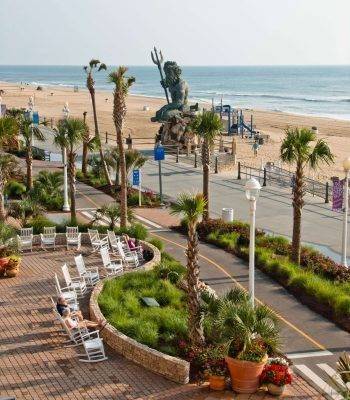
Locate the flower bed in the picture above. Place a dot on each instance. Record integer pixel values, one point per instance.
(318, 282)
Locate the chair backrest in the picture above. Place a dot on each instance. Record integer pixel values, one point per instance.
(94, 235)
(57, 284)
(80, 264)
(106, 260)
(49, 231)
(26, 233)
(112, 238)
(120, 249)
(72, 232)
(66, 274)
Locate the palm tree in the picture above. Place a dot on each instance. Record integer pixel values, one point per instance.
(90, 83)
(112, 212)
(47, 188)
(28, 133)
(25, 209)
(8, 169)
(70, 135)
(297, 149)
(207, 125)
(84, 161)
(133, 160)
(122, 84)
(192, 207)
(8, 129)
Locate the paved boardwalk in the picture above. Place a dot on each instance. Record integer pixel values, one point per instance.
(35, 365)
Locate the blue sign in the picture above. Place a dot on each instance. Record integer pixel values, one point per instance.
(36, 118)
(159, 153)
(136, 177)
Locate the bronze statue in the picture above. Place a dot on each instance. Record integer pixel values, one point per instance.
(178, 89)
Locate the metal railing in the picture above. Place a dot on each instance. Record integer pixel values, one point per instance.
(276, 176)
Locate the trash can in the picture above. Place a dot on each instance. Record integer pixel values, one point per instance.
(227, 214)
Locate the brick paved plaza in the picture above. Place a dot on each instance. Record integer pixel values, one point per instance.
(34, 364)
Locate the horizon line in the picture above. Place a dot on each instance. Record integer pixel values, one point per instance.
(183, 65)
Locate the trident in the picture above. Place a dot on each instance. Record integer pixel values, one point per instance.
(158, 63)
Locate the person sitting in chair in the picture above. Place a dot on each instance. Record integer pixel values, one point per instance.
(85, 323)
(62, 304)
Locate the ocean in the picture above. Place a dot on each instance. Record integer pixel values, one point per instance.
(307, 90)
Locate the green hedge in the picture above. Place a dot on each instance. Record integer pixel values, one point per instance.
(318, 282)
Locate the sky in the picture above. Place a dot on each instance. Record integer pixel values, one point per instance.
(192, 32)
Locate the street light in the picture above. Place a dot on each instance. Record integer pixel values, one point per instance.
(66, 206)
(252, 190)
(346, 166)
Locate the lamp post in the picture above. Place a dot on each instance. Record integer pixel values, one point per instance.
(252, 190)
(346, 166)
(66, 206)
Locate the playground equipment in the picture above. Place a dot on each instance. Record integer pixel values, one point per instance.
(235, 120)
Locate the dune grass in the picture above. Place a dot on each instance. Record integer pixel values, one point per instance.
(158, 327)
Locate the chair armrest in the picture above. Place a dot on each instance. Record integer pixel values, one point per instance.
(92, 269)
(93, 333)
(78, 279)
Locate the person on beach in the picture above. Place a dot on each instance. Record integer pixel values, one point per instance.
(255, 148)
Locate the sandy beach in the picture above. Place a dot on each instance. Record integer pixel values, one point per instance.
(50, 101)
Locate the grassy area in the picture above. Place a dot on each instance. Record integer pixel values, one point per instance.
(158, 327)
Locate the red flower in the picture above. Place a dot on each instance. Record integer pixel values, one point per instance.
(277, 374)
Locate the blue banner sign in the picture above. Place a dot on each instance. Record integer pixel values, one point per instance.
(36, 118)
(136, 177)
(159, 153)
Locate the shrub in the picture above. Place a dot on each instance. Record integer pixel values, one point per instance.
(38, 223)
(15, 189)
(158, 243)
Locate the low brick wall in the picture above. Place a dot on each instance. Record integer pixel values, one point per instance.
(172, 368)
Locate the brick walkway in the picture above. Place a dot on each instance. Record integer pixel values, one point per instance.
(35, 365)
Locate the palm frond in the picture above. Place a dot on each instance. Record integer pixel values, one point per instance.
(190, 205)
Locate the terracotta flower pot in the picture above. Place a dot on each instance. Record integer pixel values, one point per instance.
(275, 390)
(12, 272)
(217, 382)
(245, 374)
(3, 262)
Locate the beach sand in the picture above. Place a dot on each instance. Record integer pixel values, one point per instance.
(138, 124)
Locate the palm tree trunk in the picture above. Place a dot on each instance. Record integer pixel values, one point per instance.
(29, 162)
(123, 180)
(298, 204)
(195, 319)
(72, 185)
(206, 173)
(85, 150)
(2, 207)
(97, 135)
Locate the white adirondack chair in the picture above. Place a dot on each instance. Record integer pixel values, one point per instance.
(73, 237)
(91, 275)
(68, 293)
(25, 239)
(113, 241)
(138, 249)
(48, 237)
(93, 346)
(77, 284)
(112, 268)
(96, 241)
(129, 257)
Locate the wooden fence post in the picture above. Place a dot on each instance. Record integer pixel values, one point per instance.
(195, 159)
(264, 181)
(216, 164)
(239, 170)
(177, 154)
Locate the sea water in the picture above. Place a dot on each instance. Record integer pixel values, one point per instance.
(309, 90)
